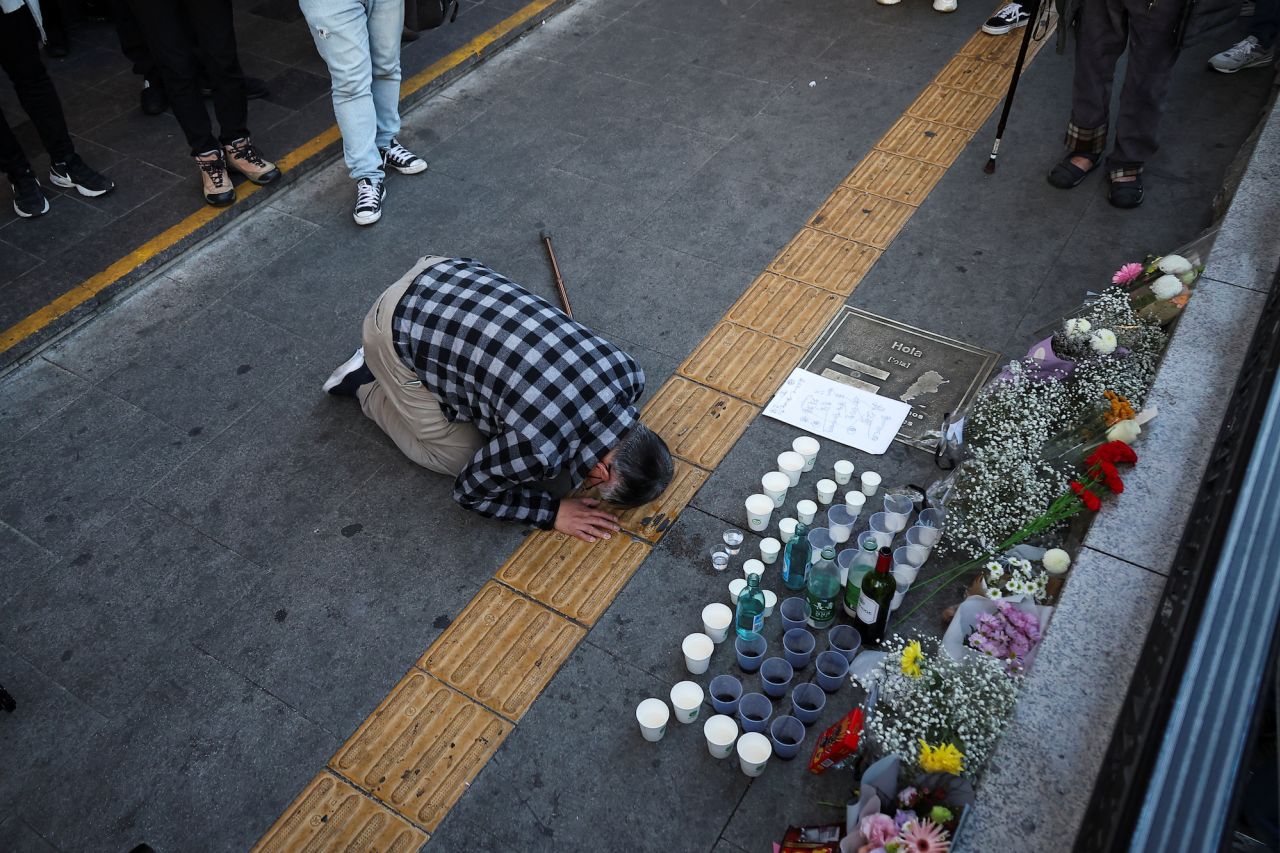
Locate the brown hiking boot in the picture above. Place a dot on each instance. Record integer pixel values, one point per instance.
(218, 189)
(245, 159)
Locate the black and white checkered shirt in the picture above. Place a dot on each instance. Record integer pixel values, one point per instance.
(550, 396)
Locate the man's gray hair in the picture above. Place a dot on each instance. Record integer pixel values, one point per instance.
(642, 466)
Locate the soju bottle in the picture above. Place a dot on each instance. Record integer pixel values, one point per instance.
(859, 569)
(878, 588)
(824, 589)
(796, 558)
(750, 616)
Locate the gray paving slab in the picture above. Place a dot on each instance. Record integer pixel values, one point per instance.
(891, 49)
(19, 837)
(670, 155)
(633, 48)
(34, 395)
(101, 621)
(23, 559)
(576, 774)
(196, 764)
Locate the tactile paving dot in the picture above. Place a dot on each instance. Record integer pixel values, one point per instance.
(330, 814)
(825, 260)
(741, 362)
(862, 217)
(975, 75)
(421, 748)
(502, 650)
(896, 177)
(953, 107)
(925, 140)
(992, 48)
(698, 423)
(576, 578)
(655, 518)
(785, 309)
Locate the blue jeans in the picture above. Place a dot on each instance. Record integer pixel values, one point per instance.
(360, 42)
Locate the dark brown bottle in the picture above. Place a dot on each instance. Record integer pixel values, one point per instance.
(878, 588)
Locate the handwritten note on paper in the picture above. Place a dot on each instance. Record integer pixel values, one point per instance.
(860, 419)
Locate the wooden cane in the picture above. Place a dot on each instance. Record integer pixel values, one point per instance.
(555, 270)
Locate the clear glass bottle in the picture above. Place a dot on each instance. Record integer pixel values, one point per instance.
(750, 616)
(865, 560)
(823, 589)
(796, 558)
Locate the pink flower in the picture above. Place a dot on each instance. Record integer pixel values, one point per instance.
(878, 829)
(926, 837)
(1126, 274)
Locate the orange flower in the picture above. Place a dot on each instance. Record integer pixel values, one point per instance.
(1119, 409)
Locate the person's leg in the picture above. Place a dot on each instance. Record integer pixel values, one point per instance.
(396, 401)
(1266, 23)
(340, 29)
(215, 38)
(20, 58)
(386, 21)
(13, 160)
(1099, 42)
(173, 51)
(1153, 49)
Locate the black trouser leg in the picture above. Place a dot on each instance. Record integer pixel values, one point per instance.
(20, 58)
(216, 38)
(133, 43)
(173, 50)
(12, 159)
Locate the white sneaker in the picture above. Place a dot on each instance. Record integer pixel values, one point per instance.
(348, 376)
(888, 2)
(945, 5)
(1242, 55)
(402, 159)
(369, 196)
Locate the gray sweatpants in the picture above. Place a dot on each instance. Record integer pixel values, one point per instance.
(1106, 28)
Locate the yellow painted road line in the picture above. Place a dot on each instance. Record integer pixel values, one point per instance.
(95, 284)
(508, 643)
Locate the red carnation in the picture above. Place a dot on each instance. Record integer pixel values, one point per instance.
(1089, 499)
(1118, 451)
(1112, 477)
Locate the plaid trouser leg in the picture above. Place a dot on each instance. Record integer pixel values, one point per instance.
(1100, 40)
(1153, 50)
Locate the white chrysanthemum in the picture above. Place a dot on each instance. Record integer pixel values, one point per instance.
(1126, 431)
(1166, 287)
(1077, 326)
(1056, 561)
(1174, 264)
(1103, 341)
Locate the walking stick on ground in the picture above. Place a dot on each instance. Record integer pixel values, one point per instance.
(555, 270)
(1031, 26)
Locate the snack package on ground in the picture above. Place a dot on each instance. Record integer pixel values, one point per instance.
(838, 742)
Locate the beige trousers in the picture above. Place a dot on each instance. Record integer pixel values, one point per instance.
(397, 402)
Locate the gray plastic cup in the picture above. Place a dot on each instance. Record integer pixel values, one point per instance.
(725, 692)
(750, 653)
(754, 711)
(833, 669)
(787, 734)
(840, 523)
(846, 640)
(795, 613)
(807, 702)
(819, 538)
(775, 677)
(797, 647)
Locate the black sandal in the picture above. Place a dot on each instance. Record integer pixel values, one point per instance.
(1125, 195)
(1067, 175)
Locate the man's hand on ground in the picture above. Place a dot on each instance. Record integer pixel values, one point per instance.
(580, 517)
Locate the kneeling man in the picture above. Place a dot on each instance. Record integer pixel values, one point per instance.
(472, 375)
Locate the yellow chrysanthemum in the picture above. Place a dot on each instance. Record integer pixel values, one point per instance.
(941, 759)
(911, 656)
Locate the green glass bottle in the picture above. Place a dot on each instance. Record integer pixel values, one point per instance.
(858, 570)
(878, 588)
(823, 589)
(750, 616)
(796, 558)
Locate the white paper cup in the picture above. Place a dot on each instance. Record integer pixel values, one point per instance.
(924, 536)
(806, 446)
(736, 586)
(697, 650)
(854, 502)
(805, 511)
(775, 485)
(769, 550)
(826, 491)
(759, 509)
(686, 699)
(905, 573)
(652, 715)
(716, 619)
(770, 601)
(870, 483)
(752, 567)
(787, 527)
(754, 750)
(720, 732)
(791, 464)
(843, 472)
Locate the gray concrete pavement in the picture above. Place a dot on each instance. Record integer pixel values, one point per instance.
(212, 573)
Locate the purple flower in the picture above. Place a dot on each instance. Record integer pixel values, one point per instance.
(904, 817)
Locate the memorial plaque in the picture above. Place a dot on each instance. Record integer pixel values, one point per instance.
(935, 375)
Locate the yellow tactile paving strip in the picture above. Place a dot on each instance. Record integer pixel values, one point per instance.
(330, 814)
(573, 577)
(502, 650)
(425, 743)
(421, 748)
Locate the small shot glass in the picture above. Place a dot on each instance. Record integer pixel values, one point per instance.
(732, 541)
(719, 560)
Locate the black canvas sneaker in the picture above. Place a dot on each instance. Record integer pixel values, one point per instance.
(1008, 19)
(369, 196)
(74, 172)
(28, 196)
(402, 159)
(349, 376)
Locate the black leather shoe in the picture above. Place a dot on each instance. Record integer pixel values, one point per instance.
(1125, 195)
(1066, 175)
